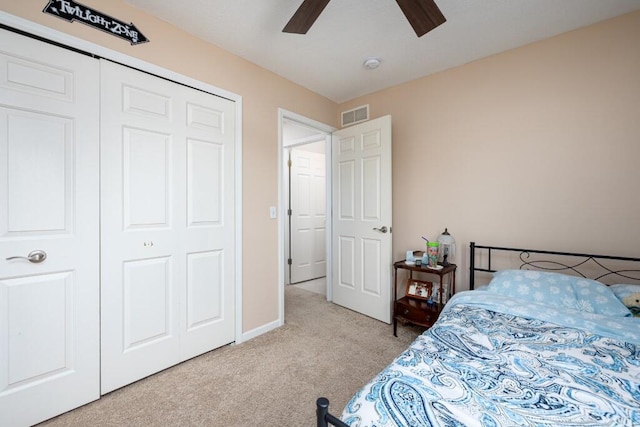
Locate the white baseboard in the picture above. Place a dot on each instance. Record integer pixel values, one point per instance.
(261, 330)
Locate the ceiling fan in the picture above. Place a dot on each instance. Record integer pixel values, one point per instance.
(423, 15)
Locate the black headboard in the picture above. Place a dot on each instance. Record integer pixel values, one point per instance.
(598, 267)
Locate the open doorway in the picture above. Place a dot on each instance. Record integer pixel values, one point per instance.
(305, 223)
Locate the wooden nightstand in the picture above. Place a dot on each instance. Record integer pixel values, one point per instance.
(416, 309)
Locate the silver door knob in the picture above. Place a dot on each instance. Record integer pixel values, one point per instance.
(35, 257)
(382, 229)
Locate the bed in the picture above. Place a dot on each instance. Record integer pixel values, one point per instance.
(544, 343)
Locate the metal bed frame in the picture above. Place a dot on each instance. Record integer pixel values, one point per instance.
(596, 267)
(325, 419)
(585, 265)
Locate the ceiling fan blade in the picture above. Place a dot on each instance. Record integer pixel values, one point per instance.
(423, 15)
(305, 16)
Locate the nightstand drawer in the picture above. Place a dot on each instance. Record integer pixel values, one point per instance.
(415, 311)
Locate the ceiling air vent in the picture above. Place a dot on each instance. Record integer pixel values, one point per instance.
(357, 115)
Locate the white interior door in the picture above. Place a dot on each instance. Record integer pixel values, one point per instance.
(308, 220)
(168, 267)
(49, 147)
(362, 209)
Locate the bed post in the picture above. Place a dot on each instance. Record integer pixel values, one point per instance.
(325, 419)
(472, 265)
(322, 409)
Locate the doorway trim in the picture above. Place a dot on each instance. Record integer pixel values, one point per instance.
(282, 202)
(69, 41)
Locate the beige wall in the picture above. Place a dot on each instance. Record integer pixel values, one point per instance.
(537, 147)
(262, 91)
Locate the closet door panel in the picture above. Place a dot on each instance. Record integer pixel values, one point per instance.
(209, 232)
(168, 227)
(205, 180)
(140, 235)
(146, 300)
(204, 288)
(49, 230)
(146, 178)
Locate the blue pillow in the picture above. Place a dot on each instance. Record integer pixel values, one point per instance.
(558, 290)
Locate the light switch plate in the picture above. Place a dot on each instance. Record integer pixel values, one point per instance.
(272, 212)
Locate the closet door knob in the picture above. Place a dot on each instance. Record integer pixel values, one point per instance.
(382, 229)
(35, 257)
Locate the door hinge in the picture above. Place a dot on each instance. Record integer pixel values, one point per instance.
(289, 163)
(289, 212)
(289, 261)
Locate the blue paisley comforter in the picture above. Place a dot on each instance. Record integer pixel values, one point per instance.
(491, 360)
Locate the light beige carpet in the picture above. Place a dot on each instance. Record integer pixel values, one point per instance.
(272, 380)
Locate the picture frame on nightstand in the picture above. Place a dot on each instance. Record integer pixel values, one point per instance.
(419, 289)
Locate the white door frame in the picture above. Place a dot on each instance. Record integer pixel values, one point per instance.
(282, 202)
(64, 39)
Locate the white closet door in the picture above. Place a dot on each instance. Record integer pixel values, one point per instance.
(49, 201)
(167, 224)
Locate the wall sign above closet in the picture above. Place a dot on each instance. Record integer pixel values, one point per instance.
(70, 11)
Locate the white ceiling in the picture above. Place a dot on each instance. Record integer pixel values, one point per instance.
(328, 59)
